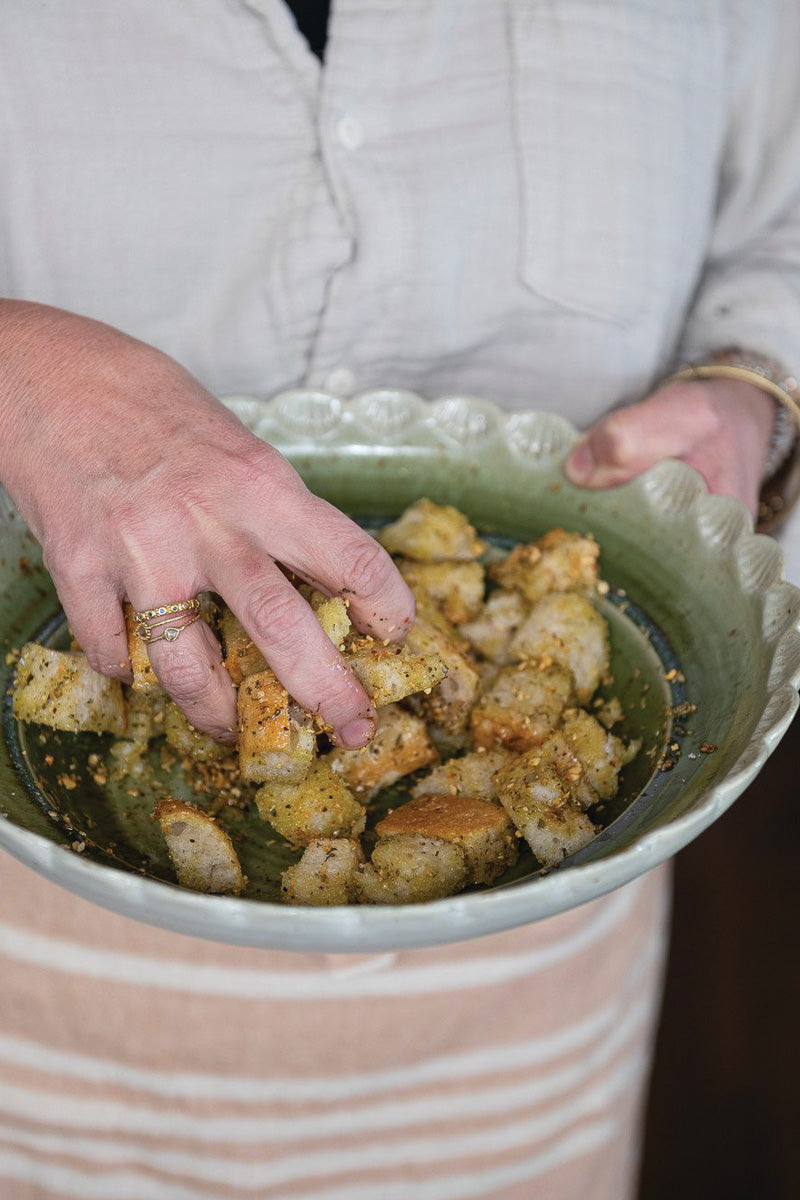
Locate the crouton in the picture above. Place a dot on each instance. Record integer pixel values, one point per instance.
(58, 688)
(449, 704)
(400, 745)
(319, 805)
(144, 677)
(331, 612)
(454, 587)
(545, 792)
(200, 851)
(428, 532)
(602, 754)
(482, 830)
(189, 742)
(241, 656)
(409, 869)
(389, 672)
(491, 631)
(559, 562)
(522, 707)
(470, 775)
(276, 740)
(325, 875)
(566, 628)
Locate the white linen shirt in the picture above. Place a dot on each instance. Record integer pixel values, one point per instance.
(548, 203)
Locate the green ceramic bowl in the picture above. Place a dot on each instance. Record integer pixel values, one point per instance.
(705, 658)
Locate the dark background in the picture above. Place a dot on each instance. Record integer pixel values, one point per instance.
(724, 1113)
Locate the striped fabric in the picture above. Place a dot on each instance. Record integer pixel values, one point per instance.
(136, 1064)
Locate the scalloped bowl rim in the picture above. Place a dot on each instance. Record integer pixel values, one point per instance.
(260, 924)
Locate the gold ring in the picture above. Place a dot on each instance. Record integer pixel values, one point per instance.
(150, 619)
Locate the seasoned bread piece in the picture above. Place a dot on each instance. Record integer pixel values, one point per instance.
(470, 775)
(481, 829)
(144, 677)
(602, 754)
(241, 657)
(146, 712)
(331, 612)
(200, 851)
(491, 631)
(325, 875)
(558, 562)
(456, 588)
(319, 805)
(58, 688)
(389, 672)
(449, 704)
(429, 532)
(409, 869)
(187, 741)
(522, 707)
(545, 793)
(567, 629)
(400, 745)
(276, 740)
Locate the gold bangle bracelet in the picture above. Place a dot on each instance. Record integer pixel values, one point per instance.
(744, 375)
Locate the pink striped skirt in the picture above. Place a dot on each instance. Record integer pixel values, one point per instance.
(137, 1064)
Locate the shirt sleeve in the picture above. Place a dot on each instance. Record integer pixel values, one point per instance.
(749, 292)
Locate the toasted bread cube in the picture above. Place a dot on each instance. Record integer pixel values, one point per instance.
(429, 532)
(454, 587)
(545, 793)
(145, 721)
(481, 829)
(276, 742)
(325, 875)
(559, 562)
(144, 677)
(241, 656)
(409, 869)
(492, 629)
(400, 745)
(146, 713)
(567, 629)
(318, 806)
(200, 851)
(390, 672)
(189, 742)
(449, 704)
(331, 612)
(608, 712)
(602, 754)
(470, 775)
(58, 688)
(522, 707)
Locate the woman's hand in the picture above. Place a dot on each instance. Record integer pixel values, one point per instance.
(141, 485)
(720, 427)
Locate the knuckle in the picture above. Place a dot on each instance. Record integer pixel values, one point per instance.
(275, 615)
(614, 440)
(368, 569)
(187, 677)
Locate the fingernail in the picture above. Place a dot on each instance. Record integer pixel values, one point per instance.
(356, 733)
(580, 464)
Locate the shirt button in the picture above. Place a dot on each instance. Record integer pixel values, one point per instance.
(349, 132)
(341, 381)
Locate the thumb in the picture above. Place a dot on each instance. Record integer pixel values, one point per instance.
(629, 440)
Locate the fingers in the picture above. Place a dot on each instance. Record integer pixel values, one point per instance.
(668, 424)
(297, 648)
(94, 613)
(332, 552)
(190, 670)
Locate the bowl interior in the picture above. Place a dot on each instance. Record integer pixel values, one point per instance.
(689, 656)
